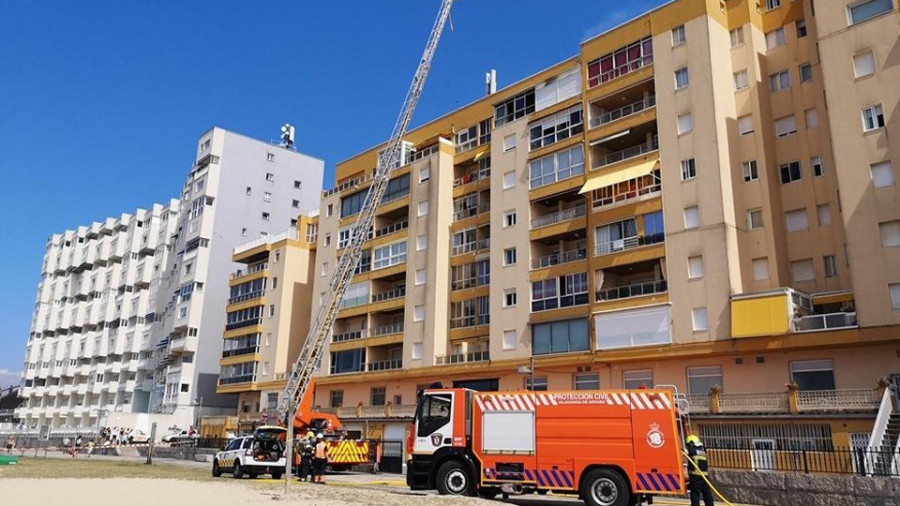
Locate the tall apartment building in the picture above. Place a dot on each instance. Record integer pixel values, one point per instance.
(701, 196)
(238, 189)
(88, 351)
(267, 317)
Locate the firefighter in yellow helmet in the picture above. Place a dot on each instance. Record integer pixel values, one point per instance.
(697, 484)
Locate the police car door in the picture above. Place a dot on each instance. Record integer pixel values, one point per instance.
(230, 452)
(434, 423)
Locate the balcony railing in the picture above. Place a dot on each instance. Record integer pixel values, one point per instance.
(470, 321)
(396, 293)
(348, 336)
(753, 402)
(620, 71)
(249, 350)
(461, 358)
(564, 215)
(625, 154)
(397, 195)
(471, 177)
(480, 245)
(472, 211)
(624, 197)
(385, 330)
(354, 301)
(246, 296)
(242, 324)
(826, 400)
(624, 112)
(633, 290)
(628, 243)
(347, 184)
(393, 227)
(828, 321)
(559, 258)
(246, 378)
(385, 365)
(807, 401)
(251, 269)
(462, 284)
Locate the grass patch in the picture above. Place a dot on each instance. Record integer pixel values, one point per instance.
(84, 468)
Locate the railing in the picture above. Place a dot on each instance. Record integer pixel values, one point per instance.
(396, 293)
(559, 258)
(807, 401)
(472, 211)
(824, 322)
(826, 400)
(249, 350)
(246, 296)
(354, 301)
(625, 154)
(397, 195)
(797, 458)
(385, 365)
(624, 197)
(753, 403)
(628, 243)
(242, 324)
(633, 290)
(396, 328)
(470, 321)
(620, 71)
(347, 184)
(624, 112)
(348, 336)
(564, 215)
(480, 245)
(393, 227)
(467, 146)
(462, 284)
(246, 378)
(471, 177)
(251, 269)
(461, 358)
(291, 233)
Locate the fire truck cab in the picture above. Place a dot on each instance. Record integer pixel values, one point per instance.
(610, 447)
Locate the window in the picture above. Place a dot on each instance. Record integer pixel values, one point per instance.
(812, 118)
(760, 269)
(620, 62)
(751, 173)
(556, 167)
(509, 256)
(737, 36)
(699, 319)
(396, 188)
(378, 396)
(564, 291)
(420, 276)
(324, 268)
(641, 378)
(509, 179)
(389, 255)
(271, 310)
(514, 108)
(862, 11)
(509, 297)
(745, 124)
(557, 89)
(295, 203)
(337, 398)
(685, 123)
(424, 174)
(890, 233)
(688, 169)
(509, 339)
(775, 39)
(418, 351)
(555, 128)
(824, 213)
(270, 157)
(691, 217)
(351, 204)
(536, 383)
(754, 219)
(773, 4)
(790, 172)
(509, 218)
(813, 374)
(806, 74)
(802, 270)
(873, 117)
(433, 413)
(422, 209)
(586, 381)
(779, 81)
(266, 216)
(741, 79)
(682, 79)
(831, 268)
(470, 313)
(270, 177)
(864, 64)
(796, 220)
(267, 197)
(882, 174)
(678, 36)
(801, 28)
(895, 295)
(560, 337)
(419, 313)
(327, 240)
(695, 267)
(348, 361)
(297, 185)
(702, 379)
(329, 210)
(785, 126)
(421, 242)
(509, 142)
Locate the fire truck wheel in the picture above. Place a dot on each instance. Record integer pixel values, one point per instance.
(604, 487)
(217, 471)
(452, 479)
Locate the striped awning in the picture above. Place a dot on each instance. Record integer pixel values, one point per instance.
(619, 176)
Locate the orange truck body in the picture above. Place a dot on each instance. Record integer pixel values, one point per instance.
(341, 453)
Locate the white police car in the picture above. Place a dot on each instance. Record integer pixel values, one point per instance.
(261, 453)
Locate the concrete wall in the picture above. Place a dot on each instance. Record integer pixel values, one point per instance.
(781, 489)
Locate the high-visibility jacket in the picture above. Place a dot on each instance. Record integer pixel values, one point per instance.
(698, 455)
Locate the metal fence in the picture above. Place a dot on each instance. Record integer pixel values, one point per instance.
(763, 456)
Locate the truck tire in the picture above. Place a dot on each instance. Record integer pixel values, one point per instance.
(217, 471)
(237, 472)
(605, 487)
(453, 479)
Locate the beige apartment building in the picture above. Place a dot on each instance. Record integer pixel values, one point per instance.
(268, 316)
(703, 196)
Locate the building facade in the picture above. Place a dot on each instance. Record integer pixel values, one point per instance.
(89, 350)
(238, 189)
(701, 197)
(267, 315)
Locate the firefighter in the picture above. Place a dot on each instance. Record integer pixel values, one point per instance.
(698, 473)
(306, 456)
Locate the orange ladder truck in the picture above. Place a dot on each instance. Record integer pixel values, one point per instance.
(610, 447)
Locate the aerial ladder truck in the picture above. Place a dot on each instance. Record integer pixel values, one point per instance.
(300, 379)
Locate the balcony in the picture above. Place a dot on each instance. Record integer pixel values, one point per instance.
(246, 378)
(621, 62)
(628, 243)
(474, 246)
(252, 269)
(633, 290)
(831, 321)
(804, 401)
(470, 321)
(462, 358)
(393, 227)
(786, 311)
(348, 336)
(386, 330)
(249, 350)
(242, 324)
(608, 158)
(559, 258)
(384, 365)
(558, 216)
(246, 296)
(472, 176)
(602, 117)
(395, 293)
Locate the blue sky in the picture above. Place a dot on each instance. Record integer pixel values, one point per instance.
(101, 102)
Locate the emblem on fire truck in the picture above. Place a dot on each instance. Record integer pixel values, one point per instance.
(655, 437)
(436, 439)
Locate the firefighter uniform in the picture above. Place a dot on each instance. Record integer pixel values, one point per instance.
(306, 457)
(697, 484)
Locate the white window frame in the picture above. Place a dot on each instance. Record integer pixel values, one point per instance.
(509, 142)
(812, 118)
(420, 277)
(689, 213)
(752, 222)
(685, 123)
(823, 215)
(775, 39)
(556, 128)
(808, 267)
(779, 81)
(801, 71)
(786, 125)
(890, 233)
(831, 266)
(510, 297)
(695, 267)
(510, 254)
(421, 243)
(750, 170)
(760, 269)
(389, 255)
(744, 119)
(858, 58)
(539, 173)
(873, 114)
(851, 6)
(509, 179)
(510, 218)
(817, 166)
(681, 84)
(879, 180)
(741, 79)
(700, 319)
(688, 169)
(510, 339)
(422, 209)
(679, 36)
(793, 221)
(737, 37)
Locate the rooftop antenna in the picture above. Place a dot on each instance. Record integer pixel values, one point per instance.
(287, 135)
(490, 82)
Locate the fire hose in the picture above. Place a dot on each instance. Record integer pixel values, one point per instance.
(703, 475)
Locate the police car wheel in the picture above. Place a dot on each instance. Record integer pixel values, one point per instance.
(276, 476)
(605, 487)
(452, 479)
(237, 471)
(217, 471)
